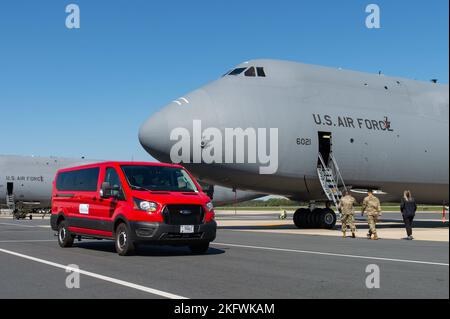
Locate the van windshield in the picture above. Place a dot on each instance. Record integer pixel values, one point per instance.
(159, 178)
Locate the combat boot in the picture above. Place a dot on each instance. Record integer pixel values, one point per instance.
(369, 236)
(344, 234)
(374, 237)
(353, 235)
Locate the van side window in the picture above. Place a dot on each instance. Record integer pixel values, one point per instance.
(84, 180)
(113, 179)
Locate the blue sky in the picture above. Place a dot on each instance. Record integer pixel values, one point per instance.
(85, 92)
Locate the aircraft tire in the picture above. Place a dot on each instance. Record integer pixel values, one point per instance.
(328, 219)
(309, 219)
(313, 219)
(296, 219)
(304, 218)
(317, 218)
(300, 217)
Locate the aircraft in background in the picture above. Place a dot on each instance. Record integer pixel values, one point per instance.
(337, 130)
(224, 196)
(26, 183)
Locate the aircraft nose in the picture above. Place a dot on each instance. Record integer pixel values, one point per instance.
(154, 135)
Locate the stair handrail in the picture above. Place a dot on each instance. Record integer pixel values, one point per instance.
(325, 167)
(322, 161)
(337, 172)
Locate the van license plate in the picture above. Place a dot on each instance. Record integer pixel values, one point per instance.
(187, 229)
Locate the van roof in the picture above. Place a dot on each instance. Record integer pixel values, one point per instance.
(113, 163)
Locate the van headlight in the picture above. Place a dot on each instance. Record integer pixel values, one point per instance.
(144, 205)
(210, 206)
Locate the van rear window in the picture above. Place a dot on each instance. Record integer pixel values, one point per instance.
(84, 180)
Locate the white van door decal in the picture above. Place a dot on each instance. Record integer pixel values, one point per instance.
(84, 209)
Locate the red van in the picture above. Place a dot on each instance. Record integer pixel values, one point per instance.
(132, 203)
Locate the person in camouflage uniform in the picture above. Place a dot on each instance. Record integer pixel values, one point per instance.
(371, 206)
(347, 214)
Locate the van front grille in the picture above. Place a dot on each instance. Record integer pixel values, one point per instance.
(183, 215)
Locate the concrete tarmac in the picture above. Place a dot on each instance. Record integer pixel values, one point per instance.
(238, 265)
(428, 226)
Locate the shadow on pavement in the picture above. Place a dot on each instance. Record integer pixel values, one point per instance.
(145, 250)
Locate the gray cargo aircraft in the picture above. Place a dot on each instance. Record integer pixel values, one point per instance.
(333, 130)
(26, 183)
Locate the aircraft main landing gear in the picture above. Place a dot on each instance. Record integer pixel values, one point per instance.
(21, 214)
(317, 218)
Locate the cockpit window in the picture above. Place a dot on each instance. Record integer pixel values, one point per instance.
(261, 72)
(237, 71)
(250, 72)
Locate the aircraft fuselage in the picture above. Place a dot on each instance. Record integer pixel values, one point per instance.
(386, 133)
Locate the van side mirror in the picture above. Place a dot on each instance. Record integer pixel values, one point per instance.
(106, 190)
(116, 191)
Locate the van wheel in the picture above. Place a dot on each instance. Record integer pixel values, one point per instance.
(65, 238)
(124, 244)
(199, 248)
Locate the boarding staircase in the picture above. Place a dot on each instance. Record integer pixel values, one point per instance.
(331, 180)
(10, 202)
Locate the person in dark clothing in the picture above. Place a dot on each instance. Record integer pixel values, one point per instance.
(408, 208)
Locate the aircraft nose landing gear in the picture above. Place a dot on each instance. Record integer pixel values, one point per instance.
(318, 218)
